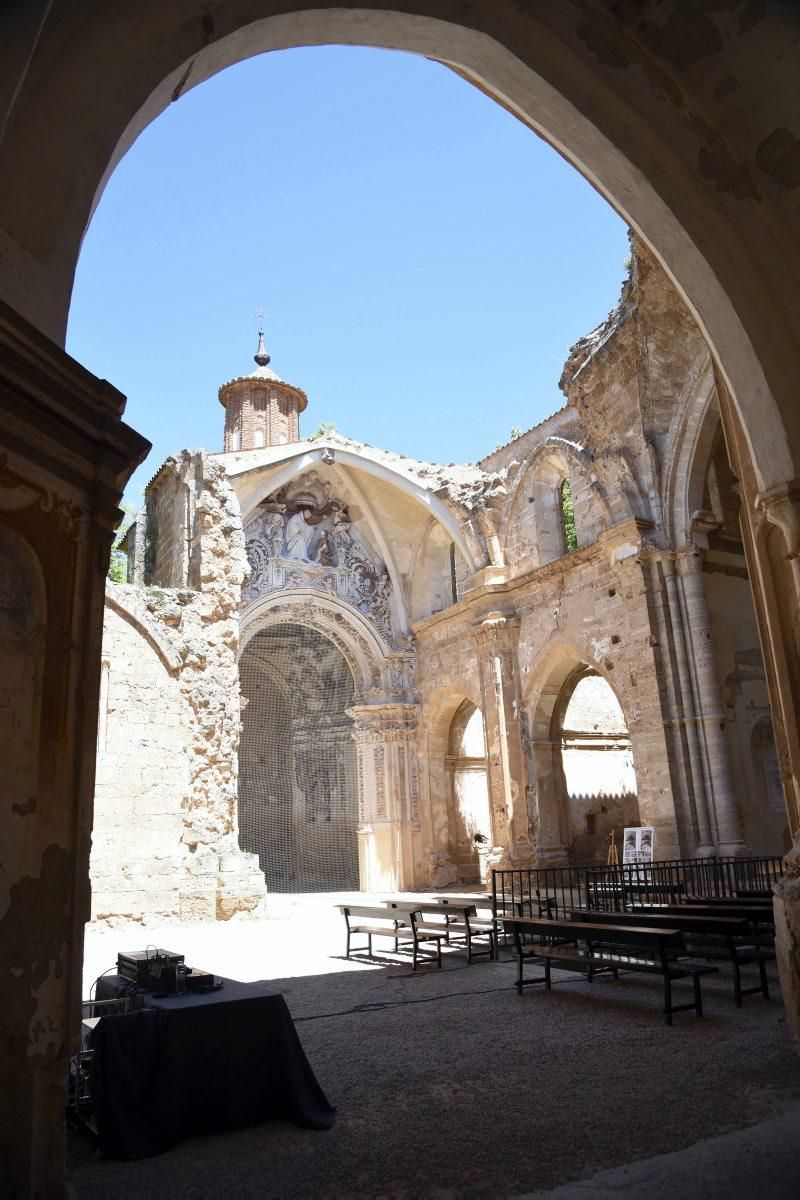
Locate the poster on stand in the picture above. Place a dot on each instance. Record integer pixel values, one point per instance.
(637, 844)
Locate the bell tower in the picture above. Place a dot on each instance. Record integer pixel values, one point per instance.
(261, 409)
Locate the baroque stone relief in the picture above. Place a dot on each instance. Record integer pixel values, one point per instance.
(302, 537)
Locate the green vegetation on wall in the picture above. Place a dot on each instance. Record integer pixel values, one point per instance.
(568, 518)
(118, 567)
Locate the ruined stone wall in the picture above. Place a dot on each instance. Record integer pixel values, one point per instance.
(588, 609)
(626, 379)
(627, 603)
(195, 633)
(596, 613)
(139, 860)
(168, 513)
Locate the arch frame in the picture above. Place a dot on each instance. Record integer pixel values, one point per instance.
(602, 90)
(691, 433)
(124, 606)
(369, 660)
(559, 662)
(302, 459)
(556, 455)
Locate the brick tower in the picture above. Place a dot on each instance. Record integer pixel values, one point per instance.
(260, 409)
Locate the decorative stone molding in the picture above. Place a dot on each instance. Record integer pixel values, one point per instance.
(388, 781)
(301, 537)
(379, 674)
(18, 492)
(781, 506)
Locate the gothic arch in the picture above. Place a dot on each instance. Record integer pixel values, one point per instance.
(351, 633)
(546, 698)
(612, 113)
(561, 664)
(297, 462)
(123, 606)
(434, 737)
(549, 463)
(689, 442)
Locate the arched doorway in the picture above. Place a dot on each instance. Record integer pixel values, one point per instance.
(298, 788)
(470, 820)
(600, 793)
(689, 157)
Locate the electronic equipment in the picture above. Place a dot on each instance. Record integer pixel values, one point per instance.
(198, 980)
(154, 966)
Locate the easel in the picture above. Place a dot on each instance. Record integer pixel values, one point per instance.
(613, 853)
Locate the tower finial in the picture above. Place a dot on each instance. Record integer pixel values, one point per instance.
(261, 357)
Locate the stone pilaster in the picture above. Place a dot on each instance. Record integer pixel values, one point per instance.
(709, 713)
(781, 506)
(388, 794)
(701, 830)
(66, 458)
(507, 774)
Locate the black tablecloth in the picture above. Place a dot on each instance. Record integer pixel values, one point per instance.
(196, 1064)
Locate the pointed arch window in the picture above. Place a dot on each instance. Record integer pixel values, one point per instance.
(567, 516)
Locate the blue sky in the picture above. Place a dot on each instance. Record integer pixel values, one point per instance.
(424, 261)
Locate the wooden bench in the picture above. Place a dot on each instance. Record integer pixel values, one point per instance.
(721, 939)
(605, 950)
(383, 922)
(464, 925)
(460, 924)
(519, 905)
(757, 914)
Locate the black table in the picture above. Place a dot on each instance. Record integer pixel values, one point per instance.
(182, 1066)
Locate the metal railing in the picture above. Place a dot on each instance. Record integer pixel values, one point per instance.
(538, 891)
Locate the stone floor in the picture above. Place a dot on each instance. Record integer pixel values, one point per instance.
(449, 1085)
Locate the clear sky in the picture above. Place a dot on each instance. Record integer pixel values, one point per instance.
(423, 260)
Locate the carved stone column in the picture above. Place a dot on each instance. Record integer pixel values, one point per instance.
(709, 714)
(497, 634)
(698, 802)
(388, 795)
(65, 456)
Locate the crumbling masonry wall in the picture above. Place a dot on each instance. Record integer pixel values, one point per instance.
(167, 841)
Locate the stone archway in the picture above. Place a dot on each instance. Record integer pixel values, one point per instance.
(603, 89)
(298, 783)
(664, 107)
(591, 737)
(380, 716)
(470, 814)
(560, 811)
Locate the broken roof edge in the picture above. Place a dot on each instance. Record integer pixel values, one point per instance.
(594, 342)
(237, 462)
(559, 412)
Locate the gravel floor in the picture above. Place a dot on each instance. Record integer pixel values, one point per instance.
(448, 1084)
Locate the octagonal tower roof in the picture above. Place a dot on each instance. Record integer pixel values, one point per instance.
(265, 375)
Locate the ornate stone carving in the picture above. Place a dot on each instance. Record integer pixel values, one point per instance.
(380, 782)
(18, 492)
(300, 537)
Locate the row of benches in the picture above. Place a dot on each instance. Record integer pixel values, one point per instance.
(409, 921)
(669, 945)
(666, 940)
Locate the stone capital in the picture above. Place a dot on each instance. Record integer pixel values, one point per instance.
(781, 506)
(497, 630)
(689, 558)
